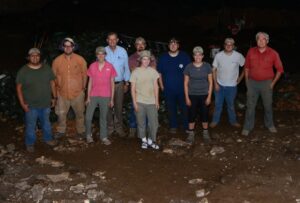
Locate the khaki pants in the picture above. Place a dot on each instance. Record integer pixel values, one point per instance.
(115, 119)
(61, 109)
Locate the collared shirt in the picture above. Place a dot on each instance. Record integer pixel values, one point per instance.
(70, 75)
(119, 59)
(101, 79)
(134, 61)
(260, 65)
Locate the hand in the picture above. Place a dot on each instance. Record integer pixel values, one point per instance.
(217, 87)
(111, 103)
(188, 102)
(207, 101)
(162, 88)
(53, 102)
(135, 106)
(87, 101)
(157, 105)
(25, 107)
(272, 85)
(125, 87)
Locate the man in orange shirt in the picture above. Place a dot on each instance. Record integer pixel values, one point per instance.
(70, 70)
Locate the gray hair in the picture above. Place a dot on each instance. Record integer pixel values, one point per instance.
(229, 40)
(140, 39)
(266, 35)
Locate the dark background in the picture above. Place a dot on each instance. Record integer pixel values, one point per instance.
(202, 22)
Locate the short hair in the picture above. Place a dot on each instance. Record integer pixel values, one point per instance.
(198, 49)
(112, 33)
(266, 35)
(140, 39)
(229, 40)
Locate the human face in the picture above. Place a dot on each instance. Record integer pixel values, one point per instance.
(101, 57)
(228, 47)
(198, 57)
(68, 48)
(173, 47)
(112, 41)
(34, 59)
(261, 41)
(140, 46)
(145, 62)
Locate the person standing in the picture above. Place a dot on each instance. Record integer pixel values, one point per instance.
(101, 88)
(34, 85)
(144, 91)
(140, 45)
(70, 71)
(226, 77)
(118, 57)
(171, 66)
(260, 81)
(198, 85)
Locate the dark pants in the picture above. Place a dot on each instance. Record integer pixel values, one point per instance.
(173, 101)
(198, 103)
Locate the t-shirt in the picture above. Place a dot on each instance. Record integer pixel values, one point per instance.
(171, 69)
(144, 79)
(36, 86)
(228, 67)
(101, 80)
(198, 78)
(260, 65)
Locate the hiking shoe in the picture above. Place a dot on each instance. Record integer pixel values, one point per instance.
(132, 132)
(51, 143)
(173, 130)
(106, 141)
(191, 137)
(206, 137)
(30, 148)
(213, 125)
(89, 139)
(237, 125)
(59, 135)
(273, 130)
(245, 132)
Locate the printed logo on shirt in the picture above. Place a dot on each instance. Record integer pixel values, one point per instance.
(180, 65)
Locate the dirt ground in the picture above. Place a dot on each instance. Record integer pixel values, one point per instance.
(263, 167)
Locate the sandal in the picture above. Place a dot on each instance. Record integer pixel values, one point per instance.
(154, 146)
(144, 145)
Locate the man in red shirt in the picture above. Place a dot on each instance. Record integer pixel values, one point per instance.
(260, 81)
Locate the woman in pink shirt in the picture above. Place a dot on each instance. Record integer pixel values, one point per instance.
(100, 93)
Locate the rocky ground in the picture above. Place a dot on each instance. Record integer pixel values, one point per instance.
(263, 167)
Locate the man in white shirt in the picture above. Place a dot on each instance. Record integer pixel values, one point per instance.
(226, 78)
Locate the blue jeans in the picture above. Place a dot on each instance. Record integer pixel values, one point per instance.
(254, 90)
(172, 101)
(31, 118)
(228, 94)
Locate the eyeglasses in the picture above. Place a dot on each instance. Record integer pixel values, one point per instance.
(68, 46)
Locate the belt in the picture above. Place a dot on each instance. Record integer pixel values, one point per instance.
(117, 82)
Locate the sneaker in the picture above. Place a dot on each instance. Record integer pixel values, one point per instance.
(51, 143)
(30, 148)
(132, 132)
(154, 145)
(144, 143)
(237, 125)
(106, 141)
(173, 130)
(206, 137)
(59, 135)
(191, 137)
(149, 141)
(245, 132)
(89, 139)
(273, 130)
(213, 125)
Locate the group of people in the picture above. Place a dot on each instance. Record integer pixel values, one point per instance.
(187, 86)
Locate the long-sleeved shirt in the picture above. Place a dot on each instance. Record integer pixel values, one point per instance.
(71, 74)
(119, 59)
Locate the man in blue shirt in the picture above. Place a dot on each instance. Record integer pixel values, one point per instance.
(170, 66)
(118, 57)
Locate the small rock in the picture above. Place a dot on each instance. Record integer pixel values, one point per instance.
(204, 200)
(37, 192)
(168, 151)
(91, 186)
(22, 185)
(107, 200)
(216, 150)
(195, 181)
(59, 177)
(77, 188)
(10, 147)
(92, 194)
(178, 142)
(201, 193)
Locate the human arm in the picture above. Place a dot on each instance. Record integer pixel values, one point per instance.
(156, 93)
(23, 103)
(210, 88)
(275, 79)
(161, 84)
(54, 93)
(216, 85)
(133, 95)
(112, 82)
(241, 76)
(186, 90)
(126, 73)
(88, 98)
(84, 74)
